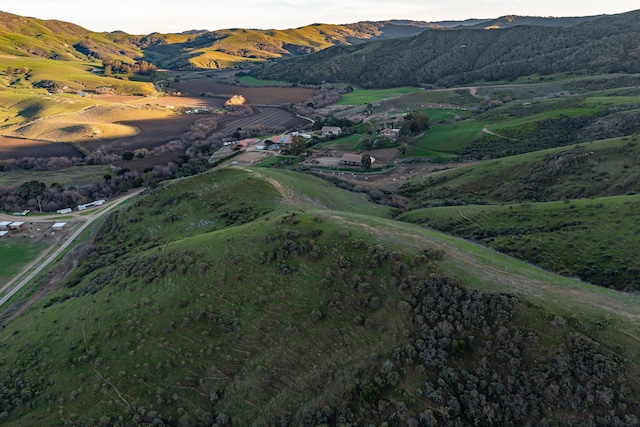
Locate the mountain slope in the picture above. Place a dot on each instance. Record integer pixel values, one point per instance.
(607, 44)
(59, 40)
(231, 298)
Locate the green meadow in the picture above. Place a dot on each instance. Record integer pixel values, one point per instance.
(15, 253)
(370, 96)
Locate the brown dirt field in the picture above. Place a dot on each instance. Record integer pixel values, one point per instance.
(248, 158)
(12, 148)
(253, 95)
(152, 133)
(266, 117)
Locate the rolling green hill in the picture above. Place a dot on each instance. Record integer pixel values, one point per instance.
(246, 297)
(576, 228)
(593, 239)
(593, 169)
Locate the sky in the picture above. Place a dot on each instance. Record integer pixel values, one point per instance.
(165, 16)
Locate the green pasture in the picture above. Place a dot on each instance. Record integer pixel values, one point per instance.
(553, 174)
(443, 115)
(15, 253)
(445, 139)
(596, 101)
(514, 122)
(370, 96)
(73, 176)
(345, 143)
(249, 80)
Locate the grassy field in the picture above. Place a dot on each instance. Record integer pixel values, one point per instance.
(371, 96)
(445, 139)
(249, 80)
(15, 254)
(77, 175)
(345, 143)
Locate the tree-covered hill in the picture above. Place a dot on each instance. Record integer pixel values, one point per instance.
(604, 45)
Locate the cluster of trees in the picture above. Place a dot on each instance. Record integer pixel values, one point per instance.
(460, 57)
(39, 163)
(414, 123)
(325, 95)
(116, 66)
(474, 368)
(36, 196)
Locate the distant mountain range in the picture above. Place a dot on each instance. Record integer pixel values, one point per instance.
(57, 40)
(604, 44)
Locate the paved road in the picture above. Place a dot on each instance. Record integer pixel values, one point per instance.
(42, 265)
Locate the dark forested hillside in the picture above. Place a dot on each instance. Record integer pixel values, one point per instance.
(608, 44)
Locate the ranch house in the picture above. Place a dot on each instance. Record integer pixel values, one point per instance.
(331, 130)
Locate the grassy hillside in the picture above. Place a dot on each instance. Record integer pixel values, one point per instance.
(593, 239)
(239, 46)
(57, 40)
(243, 297)
(593, 169)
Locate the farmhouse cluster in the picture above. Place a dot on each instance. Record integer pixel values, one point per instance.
(14, 227)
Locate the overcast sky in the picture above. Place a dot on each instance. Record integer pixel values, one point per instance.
(146, 16)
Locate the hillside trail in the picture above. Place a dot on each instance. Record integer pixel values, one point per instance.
(287, 192)
(500, 279)
(487, 131)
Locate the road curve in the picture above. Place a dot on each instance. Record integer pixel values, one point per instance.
(90, 220)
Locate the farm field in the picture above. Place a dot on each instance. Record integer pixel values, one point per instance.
(370, 96)
(266, 117)
(11, 148)
(150, 133)
(253, 95)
